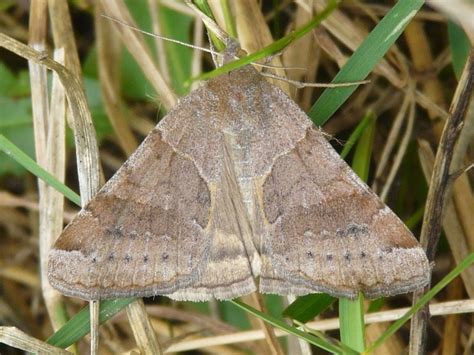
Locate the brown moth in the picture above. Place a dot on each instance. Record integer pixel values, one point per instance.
(235, 190)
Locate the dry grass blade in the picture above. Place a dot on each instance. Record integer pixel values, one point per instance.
(422, 58)
(254, 34)
(142, 329)
(402, 148)
(108, 49)
(428, 104)
(63, 34)
(51, 202)
(49, 148)
(196, 67)
(160, 48)
(274, 346)
(94, 307)
(295, 55)
(451, 223)
(38, 79)
(391, 141)
(462, 191)
(438, 192)
(17, 339)
(136, 46)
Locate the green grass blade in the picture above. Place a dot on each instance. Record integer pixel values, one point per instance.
(351, 322)
(79, 326)
(376, 305)
(305, 308)
(277, 323)
(460, 46)
(366, 121)
(228, 18)
(422, 302)
(363, 152)
(14, 152)
(273, 48)
(415, 218)
(351, 312)
(365, 58)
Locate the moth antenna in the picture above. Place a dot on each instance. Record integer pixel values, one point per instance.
(339, 141)
(270, 66)
(214, 53)
(299, 84)
(330, 137)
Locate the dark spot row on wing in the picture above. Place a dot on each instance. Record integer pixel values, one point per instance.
(329, 257)
(348, 255)
(127, 258)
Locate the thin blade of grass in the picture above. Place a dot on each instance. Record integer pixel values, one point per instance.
(277, 323)
(363, 152)
(365, 58)
(15, 338)
(17, 154)
(415, 218)
(307, 307)
(422, 302)
(228, 18)
(79, 326)
(459, 45)
(356, 134)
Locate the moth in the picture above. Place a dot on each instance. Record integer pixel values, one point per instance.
(235, 190)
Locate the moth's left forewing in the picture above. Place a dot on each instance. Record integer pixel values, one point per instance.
(326, 231)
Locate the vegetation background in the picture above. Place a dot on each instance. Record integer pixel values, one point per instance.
(394, 124)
